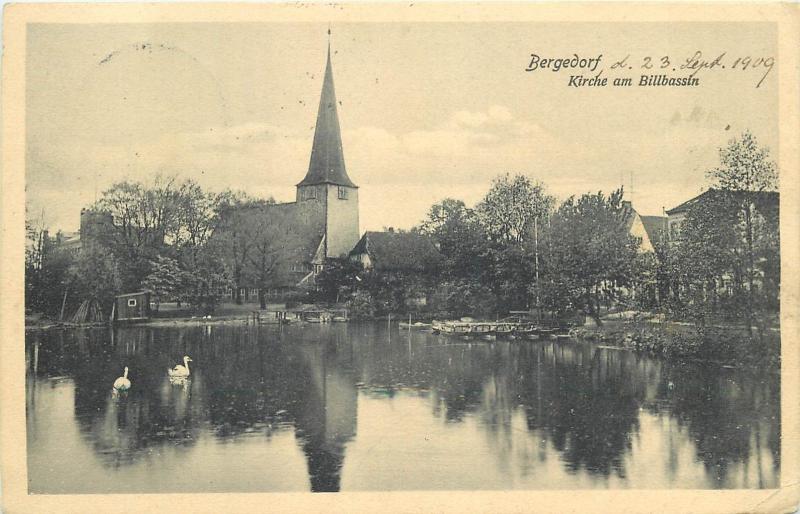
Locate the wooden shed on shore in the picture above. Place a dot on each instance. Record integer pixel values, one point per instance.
(131, 307)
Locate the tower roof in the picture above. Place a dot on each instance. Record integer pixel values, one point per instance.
(327, 157)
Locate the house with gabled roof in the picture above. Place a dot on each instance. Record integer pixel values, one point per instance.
(764, 200)
(649, 229)
(397, 252)
(400, 261)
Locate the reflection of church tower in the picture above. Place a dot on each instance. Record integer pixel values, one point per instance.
(328, 418)
(326, 181)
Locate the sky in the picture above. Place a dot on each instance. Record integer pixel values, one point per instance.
(427, 110)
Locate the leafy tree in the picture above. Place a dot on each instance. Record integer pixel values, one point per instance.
(746, 171)
(46, 272)
(512, 215)
(512, 207)
(231, 240)
(273, 243)
(710, 252)
(166, 280)
(646, 280)
(204, 287)
(145, 218)
(510, 275)
(95, 274)
(745, 166)
(195, 219)
(469, 298)
(388, 291)
(495, 247)
(361, 305)
(590, 254)
(338, 279)
(461, 239)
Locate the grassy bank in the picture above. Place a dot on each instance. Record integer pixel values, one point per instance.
(720, 344)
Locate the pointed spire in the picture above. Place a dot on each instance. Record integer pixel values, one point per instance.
(327, 157)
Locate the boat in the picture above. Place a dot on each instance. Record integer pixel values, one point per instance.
(339, 319)
(527, 330)
(505, 330)
(483, 330)
(313, 319)
(456, 328)
(436, 326)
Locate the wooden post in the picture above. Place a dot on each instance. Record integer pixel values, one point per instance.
(63, 304)
(113, 311)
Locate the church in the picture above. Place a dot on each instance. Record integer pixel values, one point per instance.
(283, 246)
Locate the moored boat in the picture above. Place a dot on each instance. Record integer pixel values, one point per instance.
(526, 330)
(505, 330)
(483, 330)
(456, 328)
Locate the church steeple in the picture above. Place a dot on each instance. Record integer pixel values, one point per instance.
(327, 157)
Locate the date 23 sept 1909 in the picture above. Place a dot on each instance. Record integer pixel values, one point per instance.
(662, 70)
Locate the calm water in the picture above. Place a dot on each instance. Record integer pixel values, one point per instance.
(360, 407)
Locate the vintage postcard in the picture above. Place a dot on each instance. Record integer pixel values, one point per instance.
(400, 257)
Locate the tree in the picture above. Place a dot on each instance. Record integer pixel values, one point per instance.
(710, 253)
(232, 240)
(274, 245)
(204, 286)
(510, 276)
(460, 237)
(512, 207)
(590, 254)
(512, 215)
(166, 280)
(197, 215)
(746, 172)
(46, 272)
(145, 218)
(95, 274)
(338, 279)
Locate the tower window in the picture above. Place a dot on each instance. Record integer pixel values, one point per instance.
(342, 193)
(311, 193)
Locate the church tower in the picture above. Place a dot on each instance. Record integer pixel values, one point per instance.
(326, 182)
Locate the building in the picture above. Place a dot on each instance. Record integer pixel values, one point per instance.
(764, 201)
(408, 258)
(97, 230)
(321, 223)
(656, 229)
(649, 229)
(131, 307)
(765, 207)
(396, 252)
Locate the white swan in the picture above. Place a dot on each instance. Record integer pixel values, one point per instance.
(122, 383)
(181, 370)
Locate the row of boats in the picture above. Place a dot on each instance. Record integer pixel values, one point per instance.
(486, 329)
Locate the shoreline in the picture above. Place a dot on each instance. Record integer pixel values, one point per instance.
(672, 341)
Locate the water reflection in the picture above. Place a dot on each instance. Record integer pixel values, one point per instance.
(365, 408)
